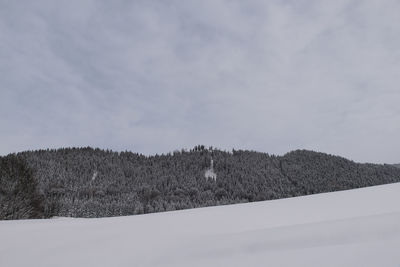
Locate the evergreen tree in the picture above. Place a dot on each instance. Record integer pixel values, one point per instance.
(19, 198)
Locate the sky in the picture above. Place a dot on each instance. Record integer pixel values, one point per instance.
(156, 76)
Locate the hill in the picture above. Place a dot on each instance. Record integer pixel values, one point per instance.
(86, 182)
(347, 228)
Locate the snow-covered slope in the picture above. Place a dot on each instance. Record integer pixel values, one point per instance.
(349, 228)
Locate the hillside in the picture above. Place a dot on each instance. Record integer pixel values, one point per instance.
(86, 182)
(348, 228)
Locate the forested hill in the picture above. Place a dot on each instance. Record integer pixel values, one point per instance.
(86, 182)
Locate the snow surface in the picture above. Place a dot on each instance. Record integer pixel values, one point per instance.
(349, 228)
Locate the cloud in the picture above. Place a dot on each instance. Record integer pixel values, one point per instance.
(154, 76)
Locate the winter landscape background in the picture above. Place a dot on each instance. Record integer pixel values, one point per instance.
(103, 105)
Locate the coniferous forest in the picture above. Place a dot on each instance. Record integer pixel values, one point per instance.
(87, 182)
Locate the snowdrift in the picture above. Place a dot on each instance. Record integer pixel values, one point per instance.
(358, 227)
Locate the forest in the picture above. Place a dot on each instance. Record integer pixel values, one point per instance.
(88, 182)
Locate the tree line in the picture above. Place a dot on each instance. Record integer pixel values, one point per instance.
(87, 182)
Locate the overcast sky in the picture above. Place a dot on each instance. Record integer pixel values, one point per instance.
(155, 76)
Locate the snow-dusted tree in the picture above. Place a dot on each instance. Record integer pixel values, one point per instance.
(18, 196)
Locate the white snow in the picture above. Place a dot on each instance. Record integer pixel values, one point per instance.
(348, 228)
(210, 173)
(94, 175)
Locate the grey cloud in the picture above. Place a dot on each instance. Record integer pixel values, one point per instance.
(154, 76)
